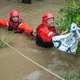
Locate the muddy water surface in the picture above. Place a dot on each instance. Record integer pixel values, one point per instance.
(13, 66)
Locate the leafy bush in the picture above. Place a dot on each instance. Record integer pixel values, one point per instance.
(68, 14)
(73, 76)
(7, 40)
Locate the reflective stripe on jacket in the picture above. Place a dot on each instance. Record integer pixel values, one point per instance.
(22, 26)
(44, 36)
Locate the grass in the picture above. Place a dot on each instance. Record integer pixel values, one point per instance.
(6, 39)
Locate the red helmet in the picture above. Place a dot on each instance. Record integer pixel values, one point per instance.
(14, 13)
(47, 16)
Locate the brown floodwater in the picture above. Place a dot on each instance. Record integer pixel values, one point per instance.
(13, 66)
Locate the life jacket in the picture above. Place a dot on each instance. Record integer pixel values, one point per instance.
(39, 40)
(14, 27)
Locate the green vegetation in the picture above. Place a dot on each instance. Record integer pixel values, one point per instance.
(73, 76)
(7, 40)
(68, 14)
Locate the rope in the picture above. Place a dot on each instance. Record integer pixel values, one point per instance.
(33, 61)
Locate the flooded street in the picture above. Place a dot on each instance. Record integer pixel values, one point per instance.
(14, 66)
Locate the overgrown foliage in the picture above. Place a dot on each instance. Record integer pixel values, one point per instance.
(7, 40)
(73, 76)
(69, 14)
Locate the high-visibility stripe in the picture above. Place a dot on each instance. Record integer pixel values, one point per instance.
(7, 24)
(20, 24)
(50, 34)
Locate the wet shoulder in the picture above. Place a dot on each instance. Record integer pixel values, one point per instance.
(24, 23)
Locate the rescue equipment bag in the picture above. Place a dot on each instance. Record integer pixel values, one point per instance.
(67, 43)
